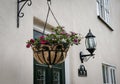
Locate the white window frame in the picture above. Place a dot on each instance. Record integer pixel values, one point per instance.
(109, 76)
(40, 29)
(103, 10)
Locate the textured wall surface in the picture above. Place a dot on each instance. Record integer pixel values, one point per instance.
(16, 62)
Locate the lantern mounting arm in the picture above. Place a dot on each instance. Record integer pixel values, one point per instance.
(19, 9)
(85, 55)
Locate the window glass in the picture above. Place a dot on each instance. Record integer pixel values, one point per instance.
(103, 10)
(108, 74)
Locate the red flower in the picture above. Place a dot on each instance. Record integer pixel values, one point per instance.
(28, 45)
(32, 40)
(43, 41)
(42, 37)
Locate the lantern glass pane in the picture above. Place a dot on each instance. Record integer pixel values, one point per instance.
(90, 42)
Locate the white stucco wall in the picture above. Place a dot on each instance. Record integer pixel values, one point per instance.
(16, 65)
(16, 62)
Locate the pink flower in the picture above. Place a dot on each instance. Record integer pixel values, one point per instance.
(73, 33)
(76, 41)
(63, 32)
(68, 35)
(32, 40)
(28, 45)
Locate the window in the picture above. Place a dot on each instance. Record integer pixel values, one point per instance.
(45, 75)
(108, 74)
(103, 10)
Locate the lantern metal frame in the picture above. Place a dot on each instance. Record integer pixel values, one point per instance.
(20, 6)
(90, 50)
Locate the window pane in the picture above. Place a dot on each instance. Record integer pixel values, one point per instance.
(111, 72)
(114, 77)
(103, 10)
(36, 34)
(108, 74)
(103, 74)
(98, 8)
(41, 76)
(56, 77)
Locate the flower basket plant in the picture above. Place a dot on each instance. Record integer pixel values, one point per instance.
(52, 48)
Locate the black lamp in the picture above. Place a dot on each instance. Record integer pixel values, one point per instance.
(90, 46)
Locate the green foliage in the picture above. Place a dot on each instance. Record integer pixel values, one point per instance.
(58, 35)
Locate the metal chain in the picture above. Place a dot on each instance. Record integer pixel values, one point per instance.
(49, 10)
(53, 15)
(46, 20)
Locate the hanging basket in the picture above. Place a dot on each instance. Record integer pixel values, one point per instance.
(50, 54)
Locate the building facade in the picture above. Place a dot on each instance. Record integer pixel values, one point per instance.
(101, 16)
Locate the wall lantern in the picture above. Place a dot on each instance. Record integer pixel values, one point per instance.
(90, 46)
(20, 5)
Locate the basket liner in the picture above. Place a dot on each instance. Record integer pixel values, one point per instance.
(50, 54)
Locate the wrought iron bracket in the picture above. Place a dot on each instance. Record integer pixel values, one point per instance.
(82, 56)
(20, 5)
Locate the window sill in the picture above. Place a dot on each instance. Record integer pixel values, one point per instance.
(106, 23)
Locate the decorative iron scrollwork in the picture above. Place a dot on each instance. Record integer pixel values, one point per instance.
(20, 14)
